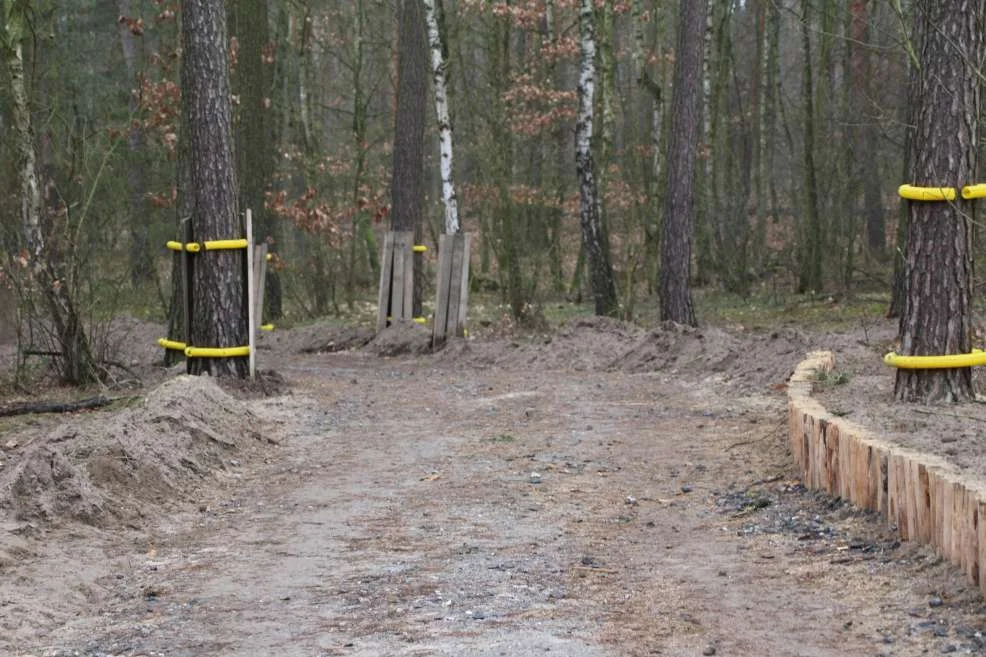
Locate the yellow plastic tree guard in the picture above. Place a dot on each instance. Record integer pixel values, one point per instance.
(217, 245)
(951, 361)
(266, 327)
(211, 245)
(974, 191)
(419, 248)
(171, 344)
(912, 193)
(216, 352)
(421, 320)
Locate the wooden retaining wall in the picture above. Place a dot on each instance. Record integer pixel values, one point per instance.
(922, 496)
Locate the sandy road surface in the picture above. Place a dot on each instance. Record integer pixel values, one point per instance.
(420, 506)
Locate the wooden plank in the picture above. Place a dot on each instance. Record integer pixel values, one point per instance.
(463, 310)
(973, 542)
(847, 465)
(440, 330)
(397, 279)
(260, 282)
(454, 326)
(386, 274)
(407, 303)
(981, 537)
(882, 472)
(251, 319)
(896, 498)
(921, 495)
(942, 515)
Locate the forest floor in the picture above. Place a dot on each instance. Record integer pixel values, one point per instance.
(597, 490)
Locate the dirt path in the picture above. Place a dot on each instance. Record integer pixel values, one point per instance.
(413, 507)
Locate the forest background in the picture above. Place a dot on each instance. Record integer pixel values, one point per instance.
(802, 145)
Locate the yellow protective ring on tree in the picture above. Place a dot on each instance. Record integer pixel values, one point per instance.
(421, 320)
(419, 248)
(974, 191)
(951, 361)
(912, 193)
(267, 327)
(216, 352)
(211, 245)
(171, 344)
(217, 245)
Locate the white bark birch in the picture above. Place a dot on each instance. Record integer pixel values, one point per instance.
(587, 89)
(439, 74)
(13, 51)
(707, 101)
(593, 235)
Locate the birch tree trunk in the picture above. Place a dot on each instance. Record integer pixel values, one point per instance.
(686, 111)
(593, 236)
(439, 69)
(48, 274)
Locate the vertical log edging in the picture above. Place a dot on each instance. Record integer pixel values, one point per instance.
(921, 496)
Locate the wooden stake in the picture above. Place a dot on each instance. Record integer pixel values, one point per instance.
(251, 319)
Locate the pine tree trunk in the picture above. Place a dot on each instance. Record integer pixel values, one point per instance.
(440, 80)
(938, 271)
(593, 236)
(679, 212)
(219, 308)
(253, 153)
(407, 180)
(810, 247)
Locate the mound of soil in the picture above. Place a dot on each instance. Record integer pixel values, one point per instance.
(114, 467)
(401, 339)
(317, 338)
(749, 360)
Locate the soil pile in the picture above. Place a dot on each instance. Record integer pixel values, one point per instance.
(750, 360)
(117, 467)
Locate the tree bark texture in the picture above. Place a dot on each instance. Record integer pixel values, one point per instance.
(75, 361)
(679, 209)
(810, 247)
(407, 181)
(141, 258)
(593, 235)
(407, 187)
(938, 268)
(253, 152)
(439, 69)
(218, 307)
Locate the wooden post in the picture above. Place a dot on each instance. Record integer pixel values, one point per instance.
(396, 295)
(260, 281)
(251, 295)
(188, 275)
(453, 287)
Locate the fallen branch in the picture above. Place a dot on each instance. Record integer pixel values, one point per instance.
(57, 407)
